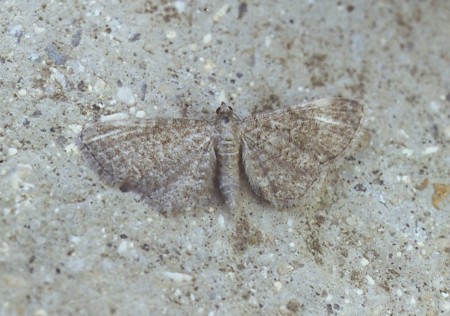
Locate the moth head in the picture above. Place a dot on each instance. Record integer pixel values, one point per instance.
(224, 109)
(225, 113)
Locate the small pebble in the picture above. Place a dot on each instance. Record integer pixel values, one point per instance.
(171, 34)
(112, 117)
(99, 85)
(221, 221)
(40, 312)
(207, 39)
(76, 38)
(34, 57)
(16, 30)
(54, 54)
(370, 280)
(180, 6)
(430, 150)
(278, 285)
(124, 246)
(140, 114)
(178, 277)
(125, 95)
(12, 151)
(221, 12)
(59, 77)
(447, 132)
(209, 65)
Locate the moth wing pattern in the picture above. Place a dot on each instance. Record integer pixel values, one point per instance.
(283, 151)
(170, 162)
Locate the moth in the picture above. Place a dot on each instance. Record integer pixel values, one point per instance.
(176, 164)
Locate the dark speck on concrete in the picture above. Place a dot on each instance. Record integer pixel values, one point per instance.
(242, 10)
(76, 38)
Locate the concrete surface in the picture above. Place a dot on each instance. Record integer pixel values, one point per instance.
(373, 239)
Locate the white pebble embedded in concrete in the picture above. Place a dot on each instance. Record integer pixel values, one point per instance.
(125, 95)
(140, 114)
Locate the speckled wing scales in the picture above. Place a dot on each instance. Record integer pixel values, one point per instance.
(169, 161)
(283, 151)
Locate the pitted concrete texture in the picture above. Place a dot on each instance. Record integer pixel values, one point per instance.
(372, 237)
